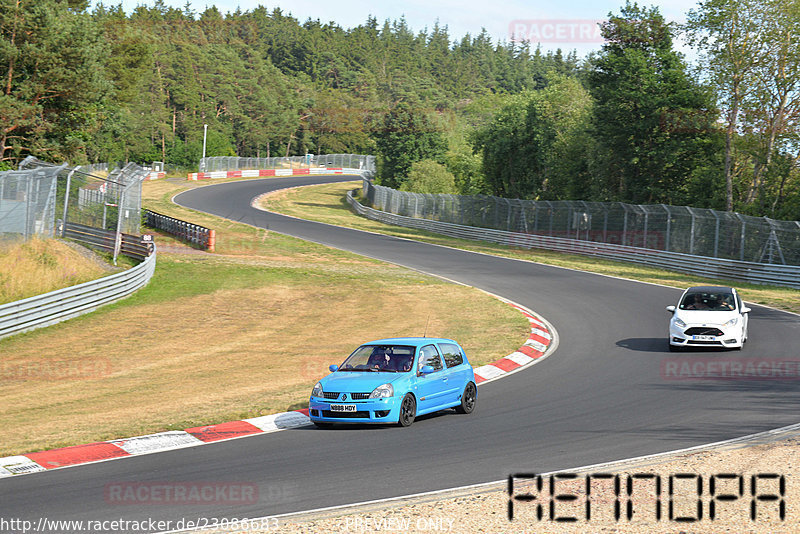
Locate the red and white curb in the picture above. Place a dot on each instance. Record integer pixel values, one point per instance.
(534, 348)
(163, 441)
(270, 172)
(539, 340)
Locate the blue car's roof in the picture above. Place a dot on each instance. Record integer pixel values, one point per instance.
(413, 341)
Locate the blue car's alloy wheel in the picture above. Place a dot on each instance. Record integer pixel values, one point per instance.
(408, 410)
(468, 399)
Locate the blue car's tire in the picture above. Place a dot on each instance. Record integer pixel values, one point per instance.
(468, 399)
(408, 410)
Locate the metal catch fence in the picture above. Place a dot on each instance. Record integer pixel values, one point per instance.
(681, 229)
(95, 197)
(28, 202)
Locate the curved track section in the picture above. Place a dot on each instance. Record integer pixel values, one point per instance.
(602, 396)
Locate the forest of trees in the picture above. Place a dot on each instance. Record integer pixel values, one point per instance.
(632, 122)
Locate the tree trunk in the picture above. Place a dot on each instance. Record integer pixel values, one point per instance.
(729, 133)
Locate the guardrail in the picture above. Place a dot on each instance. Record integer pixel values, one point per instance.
(193, 233)
(60, 305)
(128, 244)
(757, 273)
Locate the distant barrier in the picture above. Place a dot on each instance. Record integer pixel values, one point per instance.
(679, 229)
(193, 233)
(308, 161)
(259, 173)
(757, 273)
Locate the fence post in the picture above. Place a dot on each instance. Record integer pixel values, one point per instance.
(27, 206)
(646, 219)
(741, 239)
(624, 223)
(66, 200)
(669, 223)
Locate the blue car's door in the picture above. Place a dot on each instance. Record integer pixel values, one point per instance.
(458, 370)
(433, 389)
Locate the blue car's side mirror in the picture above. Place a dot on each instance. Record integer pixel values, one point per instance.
(333, 368)
(426, 369)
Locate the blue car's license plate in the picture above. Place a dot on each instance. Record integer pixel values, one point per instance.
(343, 407)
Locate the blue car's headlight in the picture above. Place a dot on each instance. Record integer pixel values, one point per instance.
(382, 391)
(317, 391)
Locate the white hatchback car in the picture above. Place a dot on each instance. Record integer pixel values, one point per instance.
(708, 316)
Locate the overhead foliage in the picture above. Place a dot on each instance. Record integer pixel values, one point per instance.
(751, 54)
(655, 127)
(53, 89)
(631, 122)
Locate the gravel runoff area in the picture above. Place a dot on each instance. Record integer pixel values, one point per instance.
(746, 475)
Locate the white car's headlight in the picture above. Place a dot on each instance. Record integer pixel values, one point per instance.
(677, 322)
(732, 322)
(382, 391)
(317, 391)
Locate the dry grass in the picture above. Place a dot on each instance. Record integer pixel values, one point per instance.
(42, 265)
(326, 203)
(217, 337)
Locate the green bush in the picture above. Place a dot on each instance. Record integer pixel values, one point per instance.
(427, 176)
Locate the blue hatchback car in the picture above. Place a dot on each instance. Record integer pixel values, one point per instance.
(394, 381)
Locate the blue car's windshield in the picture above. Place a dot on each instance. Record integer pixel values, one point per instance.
(380, 358)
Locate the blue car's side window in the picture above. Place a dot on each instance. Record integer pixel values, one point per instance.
(428, 355)
(452, 354)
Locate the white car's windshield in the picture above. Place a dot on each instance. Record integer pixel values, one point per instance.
(380, 358)
(708, 301)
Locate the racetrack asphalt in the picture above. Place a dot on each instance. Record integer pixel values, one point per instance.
(601, 396)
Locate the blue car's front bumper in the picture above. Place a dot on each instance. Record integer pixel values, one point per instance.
(385, 410)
